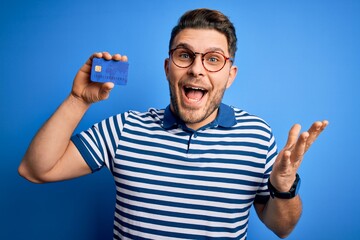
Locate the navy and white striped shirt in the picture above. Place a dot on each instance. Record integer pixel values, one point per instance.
(176, 183)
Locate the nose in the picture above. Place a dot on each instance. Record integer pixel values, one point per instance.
(197, 67)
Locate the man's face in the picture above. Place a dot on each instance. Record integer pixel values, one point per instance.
(195, 92)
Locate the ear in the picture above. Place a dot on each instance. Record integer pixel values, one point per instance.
(232, 75)
(166, 67)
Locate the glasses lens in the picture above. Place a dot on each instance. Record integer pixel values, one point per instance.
(182, 57)
(213, 61)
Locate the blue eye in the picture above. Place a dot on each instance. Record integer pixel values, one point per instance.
(213, 58)
(184, 55)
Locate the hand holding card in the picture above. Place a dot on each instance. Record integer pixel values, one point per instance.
(109, 71)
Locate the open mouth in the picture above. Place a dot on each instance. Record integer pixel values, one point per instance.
(194, 94)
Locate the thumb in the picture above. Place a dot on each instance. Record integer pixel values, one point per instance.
(105, 90)
(283, 162)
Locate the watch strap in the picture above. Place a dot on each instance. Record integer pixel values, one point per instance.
(285, 195)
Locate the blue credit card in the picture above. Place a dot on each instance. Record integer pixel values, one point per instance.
(109, 71)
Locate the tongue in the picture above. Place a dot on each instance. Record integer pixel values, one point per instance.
(194, 94)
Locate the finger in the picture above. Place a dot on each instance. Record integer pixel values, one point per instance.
(292, 137)
(118, 57)
(87, 66)
(106, 56)
(96, 55)
(298, 153)
(124, 58)
(314, 131)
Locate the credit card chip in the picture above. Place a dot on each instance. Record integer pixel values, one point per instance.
(97, 68)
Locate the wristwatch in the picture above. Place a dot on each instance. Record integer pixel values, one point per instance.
(285, 195)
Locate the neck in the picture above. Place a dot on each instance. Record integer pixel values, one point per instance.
(206, 121)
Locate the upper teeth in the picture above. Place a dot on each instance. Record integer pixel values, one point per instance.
(196, 88)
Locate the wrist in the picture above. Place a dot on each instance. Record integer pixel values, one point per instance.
(77, 102)
(274, 192)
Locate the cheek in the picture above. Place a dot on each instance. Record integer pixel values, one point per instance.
(173, 83)
(169, 72)
(174, 75)
(220, 82)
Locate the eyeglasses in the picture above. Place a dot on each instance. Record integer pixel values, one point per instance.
(212, 61)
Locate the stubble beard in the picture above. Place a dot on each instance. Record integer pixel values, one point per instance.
(192, 115)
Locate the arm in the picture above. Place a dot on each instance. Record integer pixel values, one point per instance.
(281, 215)
(51, 155)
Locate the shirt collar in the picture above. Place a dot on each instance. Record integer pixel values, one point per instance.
(225, 118)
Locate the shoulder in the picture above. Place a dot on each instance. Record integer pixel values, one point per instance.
(152, 115)
(254, 123)
(244, 117)
(133, 117)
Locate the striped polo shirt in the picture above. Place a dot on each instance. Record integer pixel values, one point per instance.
(176, 183)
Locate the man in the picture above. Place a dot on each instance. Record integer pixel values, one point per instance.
(191, 170)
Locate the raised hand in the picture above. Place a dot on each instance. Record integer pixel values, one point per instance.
(291, 156)
(88, 91)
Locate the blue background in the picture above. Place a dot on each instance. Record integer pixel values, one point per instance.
(298, 61)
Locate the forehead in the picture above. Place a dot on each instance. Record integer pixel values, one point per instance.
(201, 40)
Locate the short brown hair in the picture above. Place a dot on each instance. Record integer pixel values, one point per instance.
(207, 19)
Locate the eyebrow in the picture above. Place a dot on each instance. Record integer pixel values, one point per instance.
(212, 49)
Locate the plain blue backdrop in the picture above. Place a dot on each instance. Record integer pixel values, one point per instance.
(299, 61)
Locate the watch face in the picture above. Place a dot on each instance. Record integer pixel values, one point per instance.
(297, 187)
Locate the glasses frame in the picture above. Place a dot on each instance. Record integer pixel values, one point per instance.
(202, 58)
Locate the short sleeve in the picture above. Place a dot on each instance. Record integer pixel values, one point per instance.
(98, 144)
(263, 193)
